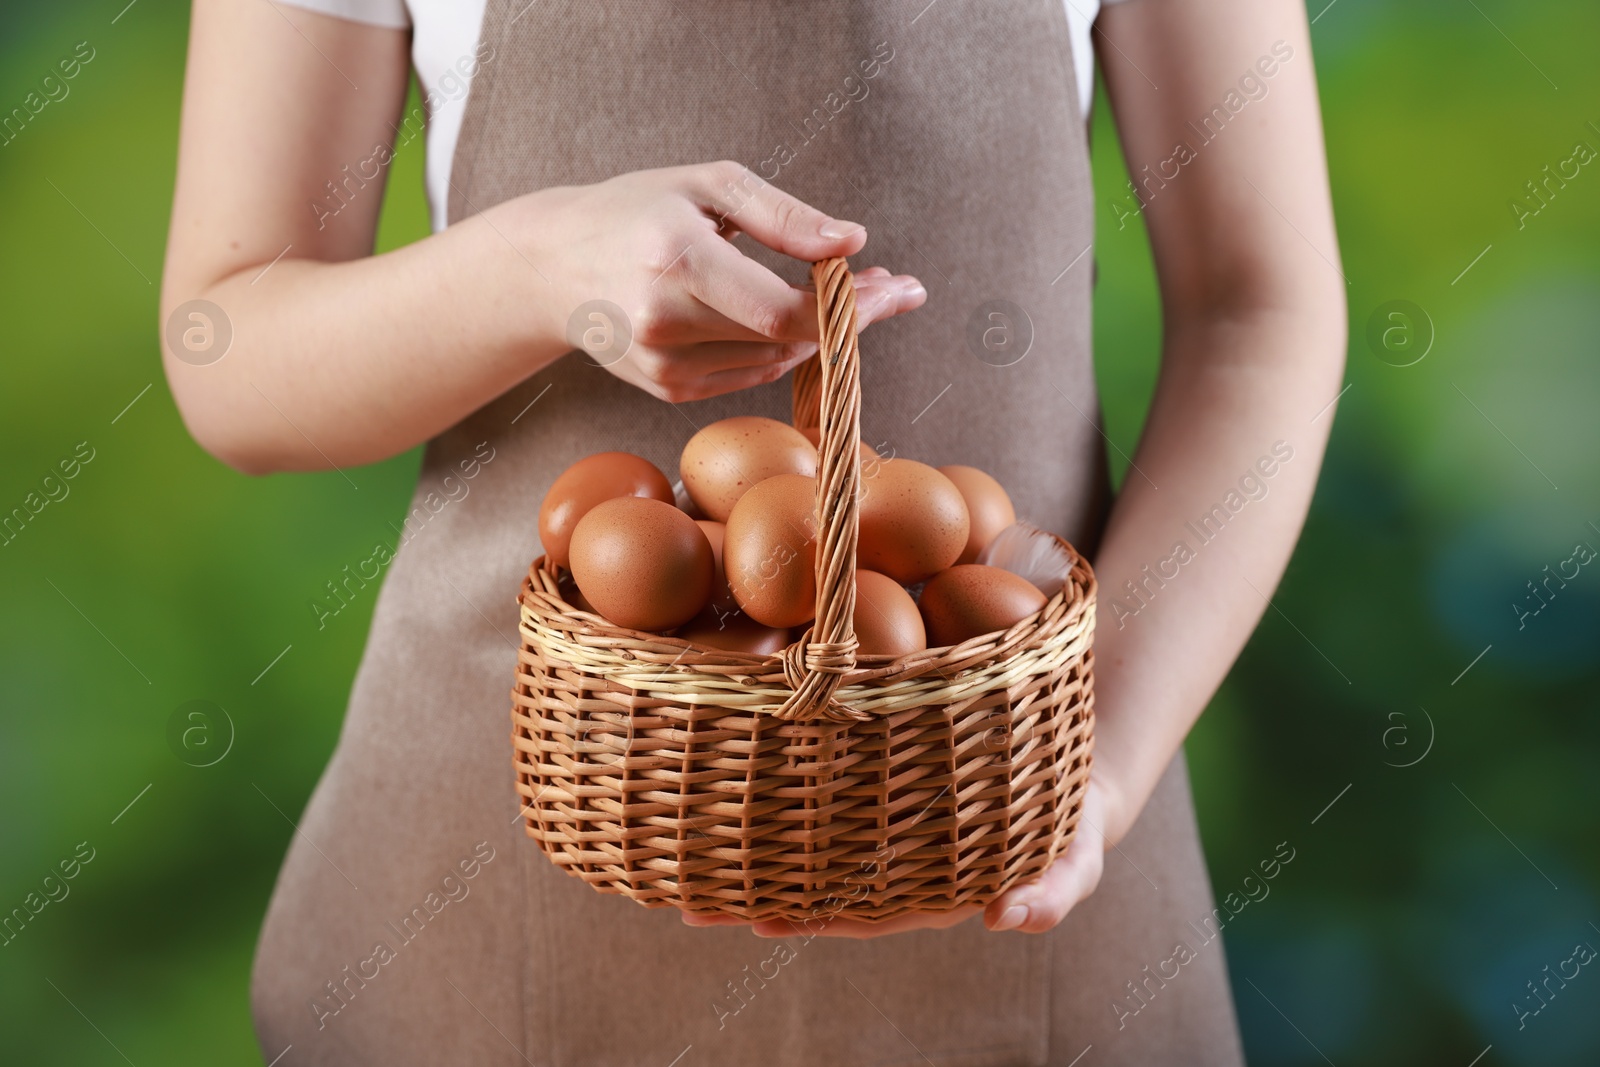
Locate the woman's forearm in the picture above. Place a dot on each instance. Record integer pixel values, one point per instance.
(336, 364)
(1204, 526)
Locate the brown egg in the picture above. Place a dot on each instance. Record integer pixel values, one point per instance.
(723, 461)
(814, 435)
(913, 521)
(587, 482)
(970, 599)
(770, 551)
(988, 508)
(886, 618)
(733, 631)
(642, 563)
(721, 595)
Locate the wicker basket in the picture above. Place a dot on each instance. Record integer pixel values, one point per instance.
(806, 783)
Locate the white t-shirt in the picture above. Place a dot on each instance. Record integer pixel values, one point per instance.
(444, 46)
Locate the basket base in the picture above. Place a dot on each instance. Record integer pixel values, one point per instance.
(884, 885)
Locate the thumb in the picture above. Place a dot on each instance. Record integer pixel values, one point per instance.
(739, 199)
(1038, 906)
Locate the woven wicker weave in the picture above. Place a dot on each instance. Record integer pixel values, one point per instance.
(807, 783)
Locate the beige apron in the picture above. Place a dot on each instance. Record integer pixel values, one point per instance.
(950, 130)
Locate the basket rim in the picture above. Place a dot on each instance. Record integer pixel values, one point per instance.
(673, 668)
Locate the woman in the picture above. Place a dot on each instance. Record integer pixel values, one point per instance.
(614, 151)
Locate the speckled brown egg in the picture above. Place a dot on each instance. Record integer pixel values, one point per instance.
(770, 551)
(886, 619)
(989, 508)
(642, 563)
(971, 599)
(726, 459)
(721, 595)
(586, 483)
(913, 521)
(733, 631)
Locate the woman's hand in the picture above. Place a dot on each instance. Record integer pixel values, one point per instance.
(1038, 906)
(1032, 908)
(705, 319)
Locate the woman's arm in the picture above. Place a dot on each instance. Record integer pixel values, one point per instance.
(341, 357)
(1253, 349)
(1253, 304)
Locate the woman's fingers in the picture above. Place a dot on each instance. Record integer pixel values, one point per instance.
(731, 381)
(702, 362)
(738, 198)
(1040, 905)
(883, 297)
(713, 320)
(698, 371)
(759, 306)
(894, 295)
(704, 318)
(749, 295)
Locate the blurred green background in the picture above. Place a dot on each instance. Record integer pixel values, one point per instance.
(1418, 906)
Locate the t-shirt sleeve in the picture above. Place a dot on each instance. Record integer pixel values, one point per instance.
(391, 14)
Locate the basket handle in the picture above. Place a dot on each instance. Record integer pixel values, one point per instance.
(827, 392)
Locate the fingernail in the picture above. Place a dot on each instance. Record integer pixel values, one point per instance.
(1012, 918)
(838, 228)
(915, 289)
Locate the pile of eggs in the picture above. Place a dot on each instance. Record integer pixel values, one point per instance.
(729, 560)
